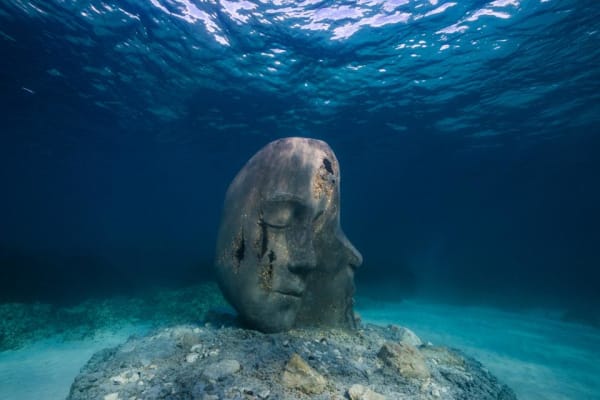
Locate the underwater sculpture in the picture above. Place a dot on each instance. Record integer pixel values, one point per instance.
(282, 258)
(284, 262)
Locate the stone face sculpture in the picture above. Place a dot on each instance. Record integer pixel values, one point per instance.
(282, 258)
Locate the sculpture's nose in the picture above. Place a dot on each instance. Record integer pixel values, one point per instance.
(303, 261)
(302, 254)
(355, 259)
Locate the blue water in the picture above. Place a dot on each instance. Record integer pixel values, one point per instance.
(468, 134)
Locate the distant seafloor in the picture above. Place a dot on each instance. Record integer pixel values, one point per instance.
(538, 355)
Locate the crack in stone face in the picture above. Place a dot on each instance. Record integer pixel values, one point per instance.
(239, 253)
(272, 256)
(264, 240)
(238, 248)
(327, 165)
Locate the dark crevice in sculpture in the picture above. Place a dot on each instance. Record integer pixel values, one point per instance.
(239, 253)
(272, 256)
(264, 239)
(327, 165)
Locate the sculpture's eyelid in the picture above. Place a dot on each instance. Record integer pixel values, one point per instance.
(270, 213)
(270, 225)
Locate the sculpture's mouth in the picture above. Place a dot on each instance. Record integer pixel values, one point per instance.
(290, 292)
(288, 284)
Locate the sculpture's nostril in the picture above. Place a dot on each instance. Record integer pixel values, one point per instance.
(301, 267)
(354, 258)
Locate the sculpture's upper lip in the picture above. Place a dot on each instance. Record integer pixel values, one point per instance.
(289, 284)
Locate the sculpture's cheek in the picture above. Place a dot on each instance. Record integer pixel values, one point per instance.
(287, 282)
(266, 276)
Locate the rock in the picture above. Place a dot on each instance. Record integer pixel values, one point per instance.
(125, 378)
(197, 348)
(221, 369)
(299, 375)
(446, 357)
(404, 359)
(406, 336)
(272, 371)
(192, 357)
(359, 392)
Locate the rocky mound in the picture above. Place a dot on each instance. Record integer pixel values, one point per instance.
(208, 363)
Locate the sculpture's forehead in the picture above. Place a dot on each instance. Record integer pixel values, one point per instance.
(300, 168)
(296, 152)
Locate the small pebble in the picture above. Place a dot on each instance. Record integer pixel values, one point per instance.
(196, 348)
(221, 369)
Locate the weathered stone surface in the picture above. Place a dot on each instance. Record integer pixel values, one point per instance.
(360, 392)
(406, 336)
(405, 359)
(192, 357)
(299, 375)
(221, 369)
(283, 260)
(126, 377)
(343, 358)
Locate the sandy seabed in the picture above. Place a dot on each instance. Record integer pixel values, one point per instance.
(537, 355)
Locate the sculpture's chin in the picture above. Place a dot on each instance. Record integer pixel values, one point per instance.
(278, 312)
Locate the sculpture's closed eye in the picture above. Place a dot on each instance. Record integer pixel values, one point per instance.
(283, 213)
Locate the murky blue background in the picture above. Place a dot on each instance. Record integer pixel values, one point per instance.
(468, 134)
